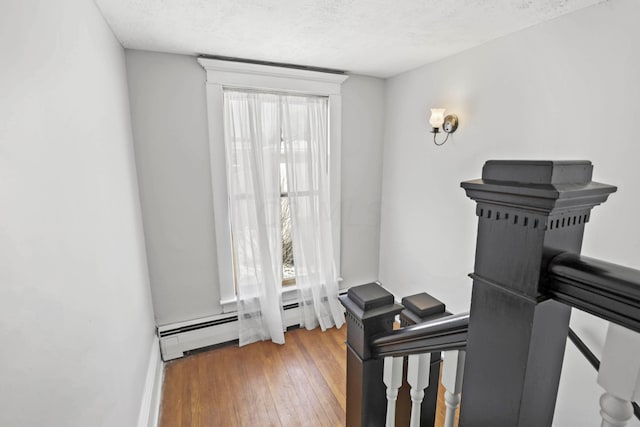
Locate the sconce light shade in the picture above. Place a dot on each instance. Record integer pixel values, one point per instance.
(438, 121)
(437, 117)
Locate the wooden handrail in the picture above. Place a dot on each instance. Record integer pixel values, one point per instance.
(606, 290)
(446, 333)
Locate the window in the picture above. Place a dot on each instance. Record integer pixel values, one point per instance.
(229, 75)
(288, 262)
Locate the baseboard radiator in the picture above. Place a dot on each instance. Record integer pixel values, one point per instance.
(179, 340)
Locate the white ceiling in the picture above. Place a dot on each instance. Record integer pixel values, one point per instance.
(372, 37)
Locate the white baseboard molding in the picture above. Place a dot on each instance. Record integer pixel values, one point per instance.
(152, 394)
(180, 338)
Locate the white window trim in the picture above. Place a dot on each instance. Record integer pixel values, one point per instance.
(228, 74)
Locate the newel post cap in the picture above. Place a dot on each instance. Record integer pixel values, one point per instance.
(541, 186)
(369, 302)
(370, 310)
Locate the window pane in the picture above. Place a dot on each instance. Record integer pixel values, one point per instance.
(288, 266)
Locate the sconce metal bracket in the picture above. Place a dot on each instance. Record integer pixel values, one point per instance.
(450, 123)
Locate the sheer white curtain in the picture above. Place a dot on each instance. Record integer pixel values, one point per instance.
(304, 129)
(252, 138)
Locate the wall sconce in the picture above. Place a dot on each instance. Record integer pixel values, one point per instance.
(438, 120)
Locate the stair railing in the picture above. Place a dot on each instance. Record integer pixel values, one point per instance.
(378, 367)
(417, 343)
(595, 362)
(611, 292)
(528, 212)
(528, 274)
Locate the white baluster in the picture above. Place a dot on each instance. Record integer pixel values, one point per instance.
(619, 375)
(418, 379)
(452, 373)
(615, 412)
(392, 378)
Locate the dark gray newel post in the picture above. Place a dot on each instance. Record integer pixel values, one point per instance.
(370, 311)
(528, 211)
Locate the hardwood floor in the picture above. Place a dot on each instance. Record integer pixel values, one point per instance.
(301, 383)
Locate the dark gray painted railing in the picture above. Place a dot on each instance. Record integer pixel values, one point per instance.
(447, 333)
(586, 351)
(606, 290)
(524, 208)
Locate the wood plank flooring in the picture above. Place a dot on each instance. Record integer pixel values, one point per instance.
(301, 383)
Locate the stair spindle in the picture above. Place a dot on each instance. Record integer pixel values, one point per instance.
(452, 373)
(615, 412)
(418, 379)
(392, 378)
(619, 375)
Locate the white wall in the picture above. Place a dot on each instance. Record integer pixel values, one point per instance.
(170, 130)
(76, 321)
(566, 89)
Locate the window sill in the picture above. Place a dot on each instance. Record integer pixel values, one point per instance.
(288, 296)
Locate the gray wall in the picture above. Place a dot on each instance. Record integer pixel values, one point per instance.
(169, 115)
(168, 106)
(566, 89)
(76, 323)
(362, 139)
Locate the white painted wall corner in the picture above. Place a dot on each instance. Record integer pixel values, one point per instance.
(152, 393)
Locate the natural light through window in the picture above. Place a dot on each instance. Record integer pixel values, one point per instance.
(288, 265)
(280, 122)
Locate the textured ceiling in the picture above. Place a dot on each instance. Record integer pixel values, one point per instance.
(373, 37)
